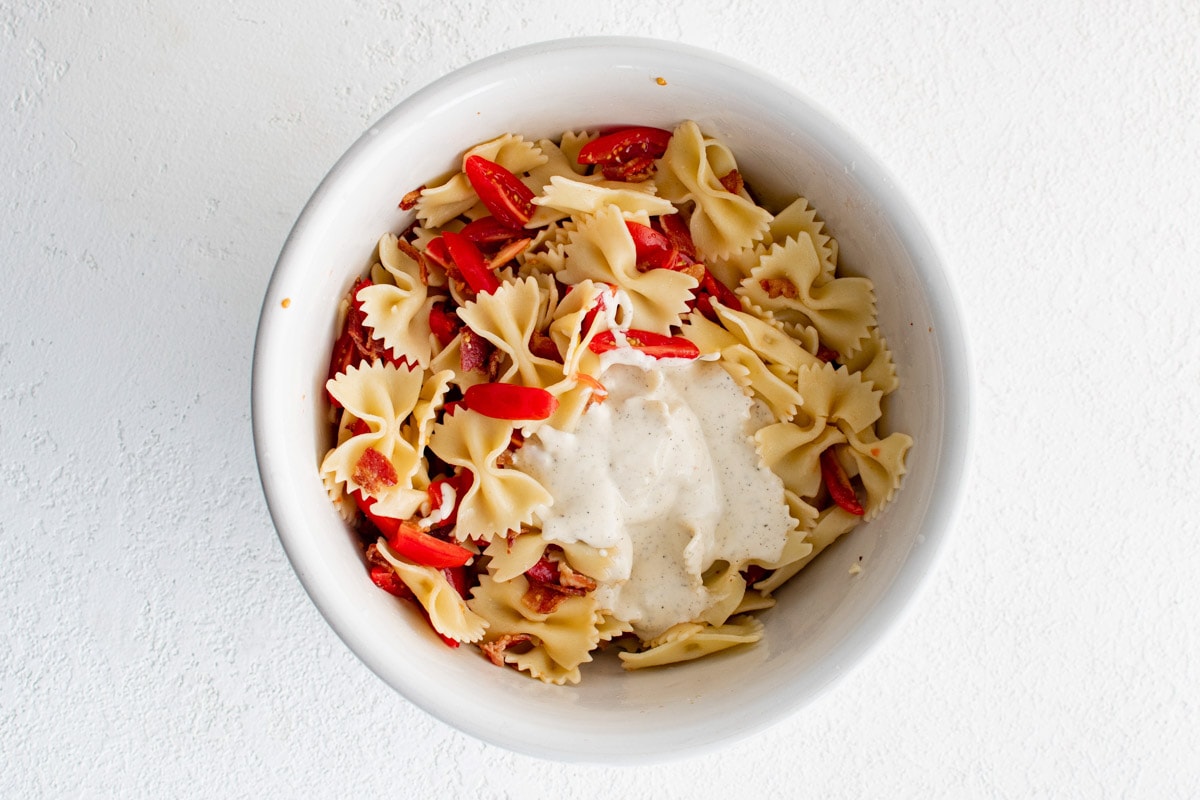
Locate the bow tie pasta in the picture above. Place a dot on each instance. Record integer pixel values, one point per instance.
(596, 396)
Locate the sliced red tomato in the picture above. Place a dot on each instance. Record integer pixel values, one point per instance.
(444, 323)
(508, 401)
(625, 145)
(487, 231)
(508, 200)
(436, 251)
(646, 240)
(652, 344)
(411, 542)
(838, 483)
(471, 263)
(719, 291)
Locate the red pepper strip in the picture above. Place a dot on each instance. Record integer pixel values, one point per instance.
(457, 576)
(436, 497)
(508, 401)
(471, 263)
(838, 484)
(436, 252)
(719, 291)
(677, 232)
(646, 240)
(444, 323)
(652, 344)
(508, 200)
(624, 145)
(411, 542)
(490, 231)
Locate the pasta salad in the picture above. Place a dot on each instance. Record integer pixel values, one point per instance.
(597, 397)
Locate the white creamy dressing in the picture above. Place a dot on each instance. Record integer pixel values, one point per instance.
(663, 476)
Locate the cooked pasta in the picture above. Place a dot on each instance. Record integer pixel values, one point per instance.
(597, 394)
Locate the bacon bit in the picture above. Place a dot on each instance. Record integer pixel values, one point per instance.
(409, 249)
(543, 598)
(678, 232)
(875, 452)
(827, 354)
(570, 579)
(543, 346)
(779, 287)
(359, 427)
(409, 201)
(599, 393)
(508, 252)
(494, 650)
(733, 182)
(695, 269)
(495, 361)
(474, 351)
(374, 472)
(505, 459)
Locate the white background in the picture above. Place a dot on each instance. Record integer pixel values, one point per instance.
(153, 639)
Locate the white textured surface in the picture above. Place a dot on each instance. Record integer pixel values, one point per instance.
(155, 641)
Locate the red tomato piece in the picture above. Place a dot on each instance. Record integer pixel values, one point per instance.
(838, 483)
(508, 200)
(443, 322)
(719, 291)
(646, 240)
(487, 231)
(471, 263)
(436, 252)
(508, 401)
(625, 145)
(411, 542)
(652, 344)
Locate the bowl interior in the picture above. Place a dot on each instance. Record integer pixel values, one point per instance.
(826, 618)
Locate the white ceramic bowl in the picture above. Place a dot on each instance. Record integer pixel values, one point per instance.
(826, 621)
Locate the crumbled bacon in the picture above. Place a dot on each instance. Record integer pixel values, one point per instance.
(474, 351)
(544, 598)
(570, 579)
(409, 201)
(494, 650)
(495, 361)
(508, 252)
(543, 346)
(827, 354)
(732, 181)
(551, 581)
(779, 287)
(374, 472)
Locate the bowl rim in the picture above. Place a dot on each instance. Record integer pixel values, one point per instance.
(949, 488)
